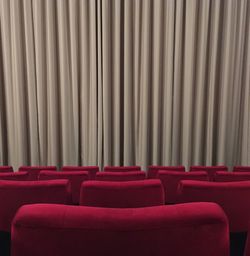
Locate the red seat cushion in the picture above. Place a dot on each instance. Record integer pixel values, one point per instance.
(14, 194)
(233, 197)
(6, 168)
(188, 229)
(35, 170)
(211, 170)
(92, 170)
(75, 178)
(121, 168)
(125, 194)
(171, 179)
(121, 176)
(153, 169)
(240, 168)
(14, 176)
(231, 176)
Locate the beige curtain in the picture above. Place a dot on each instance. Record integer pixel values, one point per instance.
(86, 82)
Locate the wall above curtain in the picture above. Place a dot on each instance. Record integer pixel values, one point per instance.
(86, 82)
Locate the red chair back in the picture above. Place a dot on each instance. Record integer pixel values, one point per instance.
(6, 168)
(170, 181)
(14, 176)
(153, 169)
(34, 171)
(121, 176)
(92, 170)
(14, 194)
(188, 229)
(211, 170)
(231, 176)
(125, 194)
(121, 168)
(240, 168)
(233, 197)
(75, 178)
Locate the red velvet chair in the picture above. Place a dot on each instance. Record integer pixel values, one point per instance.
(121, 168)
(21, 176)
(231, 176)
(153, 169)
(75, 178)
(6, 168)
(241, 168)
(199, 229)
(171, 180)
(35, 170)
(124, 194)
(211, 170)
(92, 170)
(121, 176)
(233, 197)
(14, 194)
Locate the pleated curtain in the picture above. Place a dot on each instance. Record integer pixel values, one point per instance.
(124, 82)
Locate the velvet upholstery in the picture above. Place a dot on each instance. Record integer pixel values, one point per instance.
(14, 194)
(6, 168)
(75, 178)
(124, 194)
(198, 229)
(121, 168)
(233, 197)
(35, 170)
(211, 170)
(121, 176)
(153, 169)
(14, 176)
(92, 170)
(231, 176)
(241, 168)
(170, 181)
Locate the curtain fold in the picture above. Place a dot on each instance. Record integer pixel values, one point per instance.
(99, 82)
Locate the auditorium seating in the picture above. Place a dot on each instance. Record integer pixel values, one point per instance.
(198, 229)
(171, 179)
(121, 176)
(6, 168)
(35, 170)
(241, 168)
(153, 169)
(233, 197)
(92, 170)
(14, 176)
(14, 194)
(209, 169)
(121, 168)
(75, 178)
(231, 176)
(125, 194)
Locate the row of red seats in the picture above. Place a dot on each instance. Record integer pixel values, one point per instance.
(115, 193)
(14, 194)
(151, 173)
(37, 217)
